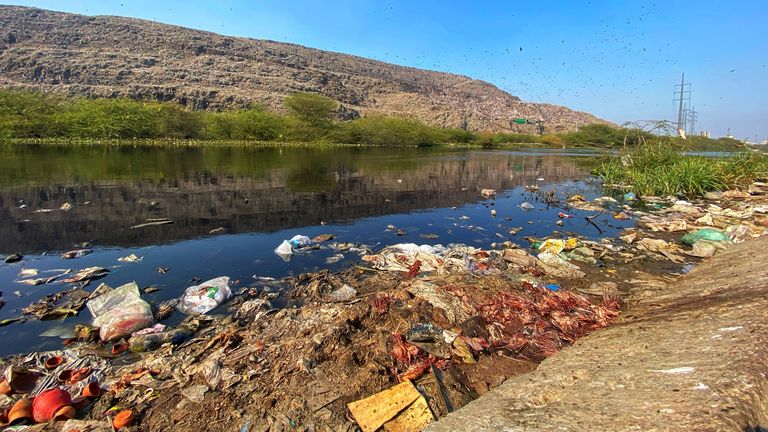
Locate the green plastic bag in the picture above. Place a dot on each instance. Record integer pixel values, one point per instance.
(705, 234)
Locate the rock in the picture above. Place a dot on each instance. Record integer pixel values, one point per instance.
(713, 196)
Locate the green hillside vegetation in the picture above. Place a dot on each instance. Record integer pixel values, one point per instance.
(308, 118)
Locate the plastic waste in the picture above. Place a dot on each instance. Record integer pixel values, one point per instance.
(203, 298)
(706, 248)
(130, 258)
(705, 234)
(739, 233)
(120, 312)
(284, 251)
(153, 341)
(554, 246)
(552, 287)
(526, 206)
(288, 247)
(76, 253)
(13, 258)
(556, 266)
(630, 196)
(299, 241)
(343, 294)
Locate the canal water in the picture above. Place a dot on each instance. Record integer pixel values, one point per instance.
(231, 207)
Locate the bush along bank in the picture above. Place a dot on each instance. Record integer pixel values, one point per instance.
(664, 169)
(307, 118)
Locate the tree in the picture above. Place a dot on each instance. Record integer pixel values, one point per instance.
(315, 109)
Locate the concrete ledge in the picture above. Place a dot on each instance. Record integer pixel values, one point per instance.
(695, 357)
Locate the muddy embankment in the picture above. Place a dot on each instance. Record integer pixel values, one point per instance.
(691, 357)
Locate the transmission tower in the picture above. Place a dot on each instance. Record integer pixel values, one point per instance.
(693, 117)
(683, 96)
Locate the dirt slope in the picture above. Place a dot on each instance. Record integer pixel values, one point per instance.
(115, 56)
(692, 357)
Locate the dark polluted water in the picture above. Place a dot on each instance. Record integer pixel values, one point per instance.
(255, 199)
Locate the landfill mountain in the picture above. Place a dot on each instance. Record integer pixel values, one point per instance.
(107, 56)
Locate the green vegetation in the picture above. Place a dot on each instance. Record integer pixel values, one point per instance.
(661, 167)
(309, 118)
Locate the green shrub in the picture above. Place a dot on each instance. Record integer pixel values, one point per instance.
(663, 169)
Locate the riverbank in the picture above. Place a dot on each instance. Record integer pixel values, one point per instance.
(457, 322)
(689, 357)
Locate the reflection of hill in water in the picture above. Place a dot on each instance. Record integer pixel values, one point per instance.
(281, 198)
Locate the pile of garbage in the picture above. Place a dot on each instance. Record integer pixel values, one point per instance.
(418, 314)
(410, 334)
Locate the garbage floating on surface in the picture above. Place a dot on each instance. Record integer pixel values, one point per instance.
(201, 299)
(287, 248)
(132, 258)
(76, 253)
(13, 258)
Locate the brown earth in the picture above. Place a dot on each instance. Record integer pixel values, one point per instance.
(691, 357)
(106, 56)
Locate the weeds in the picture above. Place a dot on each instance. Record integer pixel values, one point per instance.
(665, 169)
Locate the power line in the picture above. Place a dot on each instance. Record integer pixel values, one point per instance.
(682, 96)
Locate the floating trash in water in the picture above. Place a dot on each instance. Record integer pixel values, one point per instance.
(334, 259)
(76, 253)
(132, 258)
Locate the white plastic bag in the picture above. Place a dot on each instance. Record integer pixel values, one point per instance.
(284, 251)
(299, 241)
(203, 298)
(120, 312)
(288, 247)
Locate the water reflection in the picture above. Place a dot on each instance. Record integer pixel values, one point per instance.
(241, 190)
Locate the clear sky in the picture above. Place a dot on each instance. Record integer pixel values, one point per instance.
(616, 59)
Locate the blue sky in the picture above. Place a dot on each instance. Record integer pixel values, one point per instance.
(615, 59)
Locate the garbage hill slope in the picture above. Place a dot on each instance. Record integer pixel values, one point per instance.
(106, 56)
(691, 357)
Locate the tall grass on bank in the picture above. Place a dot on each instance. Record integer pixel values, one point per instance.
(663, 169)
